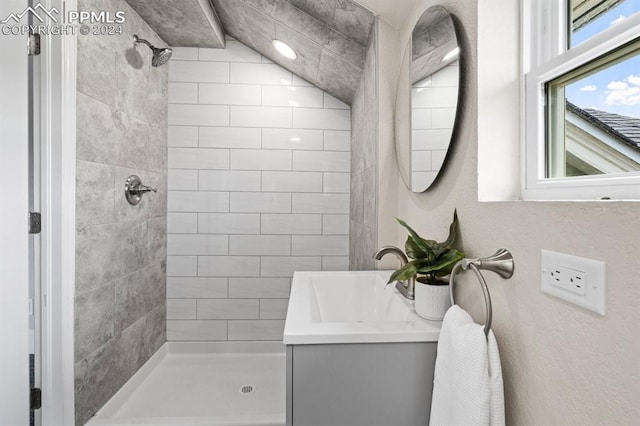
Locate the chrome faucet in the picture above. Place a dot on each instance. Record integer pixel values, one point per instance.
(407, 289)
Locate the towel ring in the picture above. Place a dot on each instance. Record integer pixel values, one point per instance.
(501, 263)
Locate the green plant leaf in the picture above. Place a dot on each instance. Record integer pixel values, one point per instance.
(441, 248)
(443, 272)
(413, 250)
(419, 246)
(443, 265)
(404, 273)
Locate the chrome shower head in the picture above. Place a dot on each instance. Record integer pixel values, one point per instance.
(160, 56)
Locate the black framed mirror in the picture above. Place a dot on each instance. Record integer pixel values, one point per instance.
(427, 100)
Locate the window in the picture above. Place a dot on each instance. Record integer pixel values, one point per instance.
(582, 99)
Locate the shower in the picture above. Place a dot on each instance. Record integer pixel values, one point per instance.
(160, 56)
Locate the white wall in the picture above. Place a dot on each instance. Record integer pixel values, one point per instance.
(562, 365)
(259, 178)
(14, 246)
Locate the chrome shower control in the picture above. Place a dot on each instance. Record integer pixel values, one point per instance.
(134, 190)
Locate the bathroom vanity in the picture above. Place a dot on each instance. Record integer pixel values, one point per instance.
(357, 353)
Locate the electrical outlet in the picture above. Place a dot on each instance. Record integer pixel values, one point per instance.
(569, 279)
(575, 279)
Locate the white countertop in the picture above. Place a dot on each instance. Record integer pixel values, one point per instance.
(352, 307)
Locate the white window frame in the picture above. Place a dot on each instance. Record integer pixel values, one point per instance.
(545, 58)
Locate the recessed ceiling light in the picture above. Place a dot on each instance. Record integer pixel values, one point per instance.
(284, 49)
(451, 54)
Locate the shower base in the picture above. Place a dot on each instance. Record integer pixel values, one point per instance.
(197, 384)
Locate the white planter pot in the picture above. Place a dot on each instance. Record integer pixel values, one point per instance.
(432, 301)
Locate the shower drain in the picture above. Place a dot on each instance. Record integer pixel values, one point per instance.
(246, 389)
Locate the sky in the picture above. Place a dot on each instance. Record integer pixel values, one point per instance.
(615, 89)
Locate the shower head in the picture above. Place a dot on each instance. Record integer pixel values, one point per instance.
(160, 56)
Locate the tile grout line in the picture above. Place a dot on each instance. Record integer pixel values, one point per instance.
(260, 213)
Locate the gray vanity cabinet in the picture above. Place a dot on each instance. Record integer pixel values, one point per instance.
(368, 384)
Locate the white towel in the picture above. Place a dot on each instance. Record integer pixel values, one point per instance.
(467, 386)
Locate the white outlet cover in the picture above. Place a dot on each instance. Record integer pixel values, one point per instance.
(595, 271)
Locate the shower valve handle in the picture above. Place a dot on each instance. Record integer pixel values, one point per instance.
(143, 189)
(134, 190)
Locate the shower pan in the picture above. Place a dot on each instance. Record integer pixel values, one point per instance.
(211, 384)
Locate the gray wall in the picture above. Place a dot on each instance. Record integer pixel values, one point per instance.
(259, 164)
(364, 164)
(120, 249)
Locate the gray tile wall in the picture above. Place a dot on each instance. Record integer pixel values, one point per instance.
(364, 164)
(182, 23)
(330, 37)
(120, 294)
(259, 164)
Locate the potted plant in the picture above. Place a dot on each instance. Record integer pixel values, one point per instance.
(430, 263)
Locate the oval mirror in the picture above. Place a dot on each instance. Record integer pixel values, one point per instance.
(427, 99)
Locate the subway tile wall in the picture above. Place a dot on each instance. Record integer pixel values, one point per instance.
(433, 114)
(259, 182)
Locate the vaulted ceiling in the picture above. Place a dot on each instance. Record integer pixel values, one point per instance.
(182, 23)
(329, 36)
(395, 12)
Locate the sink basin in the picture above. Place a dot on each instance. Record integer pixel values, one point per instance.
(352, 307)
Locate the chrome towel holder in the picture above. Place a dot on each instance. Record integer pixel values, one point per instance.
(501, 263)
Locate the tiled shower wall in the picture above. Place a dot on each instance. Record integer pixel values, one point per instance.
(364, 164)
(120, 249)
(433, 114)
(259, 171)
